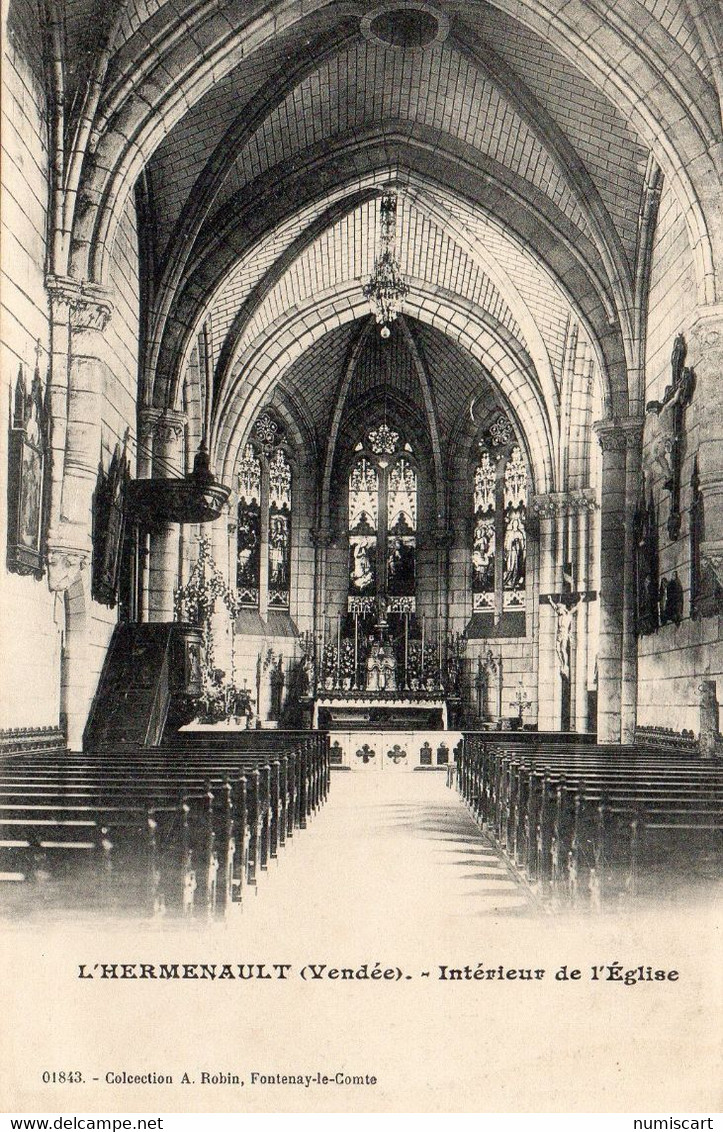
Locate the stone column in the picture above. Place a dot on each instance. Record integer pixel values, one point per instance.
(218, 533)
(705, 356)
(321, 541)
(585, 505)
(443, 539)
(633, 429)
(163, 573)
(148, 419)
(548, 676)
(560, 505)
(613, 442)
(80, 313)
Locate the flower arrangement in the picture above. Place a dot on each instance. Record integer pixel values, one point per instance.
(329, 665)
(430, 664)
(414, 664)
(222, 699)
(196, 603)
(346, 662)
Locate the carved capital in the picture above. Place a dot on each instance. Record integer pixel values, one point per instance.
(170, 426)
(148, 419)
(164, 426)
(617, 434)
(85, 305)
(65, 566)
(706, 337)
(543, 506)
(582, 501)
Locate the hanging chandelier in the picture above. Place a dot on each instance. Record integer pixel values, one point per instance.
(387, 287)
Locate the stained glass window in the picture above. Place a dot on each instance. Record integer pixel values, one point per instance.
(263, 564)
(363, 529)
(383, 517)
(248, 553)
(499, 539)
(401, 528)
(515, 531)
(484, 539)
(279, 530)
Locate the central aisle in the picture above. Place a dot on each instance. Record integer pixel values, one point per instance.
(391, 853)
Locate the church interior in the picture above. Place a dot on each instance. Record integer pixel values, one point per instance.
(362, 371)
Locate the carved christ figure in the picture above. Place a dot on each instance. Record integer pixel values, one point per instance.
(563, 616)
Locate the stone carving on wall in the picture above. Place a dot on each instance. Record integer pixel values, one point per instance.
(706, 571)
(64, 568)
(647, 589)
(711, 741)
(665, 429)
(563, 610)
(670, 600)
(27, 476)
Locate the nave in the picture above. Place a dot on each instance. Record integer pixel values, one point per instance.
(203, 829)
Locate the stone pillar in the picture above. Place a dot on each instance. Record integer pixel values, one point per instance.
(148, 419)
(321, 540)
(548, 674)
(80, 314)
(444, 539)
(633, 429)
(705, 356)
(559, 503)
(163, 572)
(580, 714)
(218, 534)
(613, 442)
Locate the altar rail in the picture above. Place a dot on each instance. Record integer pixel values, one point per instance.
(393, 750)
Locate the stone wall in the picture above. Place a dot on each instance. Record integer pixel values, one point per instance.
(30, 659)
(118, 408)
(34, 672)
(673, 660)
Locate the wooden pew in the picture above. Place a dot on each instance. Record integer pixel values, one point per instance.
(233, 810)
(541, 801)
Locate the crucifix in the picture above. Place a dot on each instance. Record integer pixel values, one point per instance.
(668, 418)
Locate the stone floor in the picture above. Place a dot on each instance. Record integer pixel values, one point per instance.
(397, 853)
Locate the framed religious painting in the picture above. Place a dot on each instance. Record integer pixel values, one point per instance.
(109, 527)
(26, 478)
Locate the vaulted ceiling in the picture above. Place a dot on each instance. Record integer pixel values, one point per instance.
(526, 142)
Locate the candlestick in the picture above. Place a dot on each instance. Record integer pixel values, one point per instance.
(356, 648)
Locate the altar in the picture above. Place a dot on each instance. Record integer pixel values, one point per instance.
(392, 710)
(384, 678)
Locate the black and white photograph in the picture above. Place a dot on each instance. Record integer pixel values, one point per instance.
(361, 597)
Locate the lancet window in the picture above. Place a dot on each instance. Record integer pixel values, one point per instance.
(382, 508)
(499, 531)
(263, 563)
